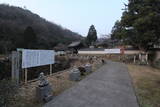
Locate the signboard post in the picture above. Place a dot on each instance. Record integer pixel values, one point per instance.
(25, 75)
(50, 69)
(34, 58)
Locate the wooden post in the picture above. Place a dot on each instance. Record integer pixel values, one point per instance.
(25, 77)
(140, 57)
(134, 60)
(15, 66)
(50, 69)
(147, 58)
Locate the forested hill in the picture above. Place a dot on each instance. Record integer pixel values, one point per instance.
(20, 28)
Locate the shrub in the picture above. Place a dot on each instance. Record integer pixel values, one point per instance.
(157, 63)
(5, 69)
(8, 90)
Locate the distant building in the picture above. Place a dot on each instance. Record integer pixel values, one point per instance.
(75, 46)
(60, 47)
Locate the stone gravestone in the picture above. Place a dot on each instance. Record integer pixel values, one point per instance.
(88, 68)
(43, 90)
(94, 57)
(75, 75)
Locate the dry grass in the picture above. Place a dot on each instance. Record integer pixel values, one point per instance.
(146, 81)
(59, 82)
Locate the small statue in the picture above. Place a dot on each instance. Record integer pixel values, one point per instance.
(43, 81)
(44, 90)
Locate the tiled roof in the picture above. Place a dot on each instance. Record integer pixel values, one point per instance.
(92, 49)
(73, 44)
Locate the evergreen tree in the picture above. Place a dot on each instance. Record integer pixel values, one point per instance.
(30, 38)
(92, 35)
(118, 31)
(141, 20)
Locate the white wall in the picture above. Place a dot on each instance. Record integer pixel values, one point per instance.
(128, 52)
(91, 52)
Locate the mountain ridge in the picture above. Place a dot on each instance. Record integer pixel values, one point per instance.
(14, 20)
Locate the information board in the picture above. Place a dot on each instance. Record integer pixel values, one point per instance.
(34, 58)
(113, 51)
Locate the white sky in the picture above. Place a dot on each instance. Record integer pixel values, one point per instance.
(76, 15)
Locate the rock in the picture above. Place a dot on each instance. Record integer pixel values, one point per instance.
(103, 61)
(88, 68)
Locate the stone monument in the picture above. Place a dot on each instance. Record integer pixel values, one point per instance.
(75, 75)
(43, 90)
(88, 68)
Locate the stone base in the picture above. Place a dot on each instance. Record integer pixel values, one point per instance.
(75, 76)
(88, 68)
(44, 93)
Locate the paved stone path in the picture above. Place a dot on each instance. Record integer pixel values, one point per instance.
(110, 86)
